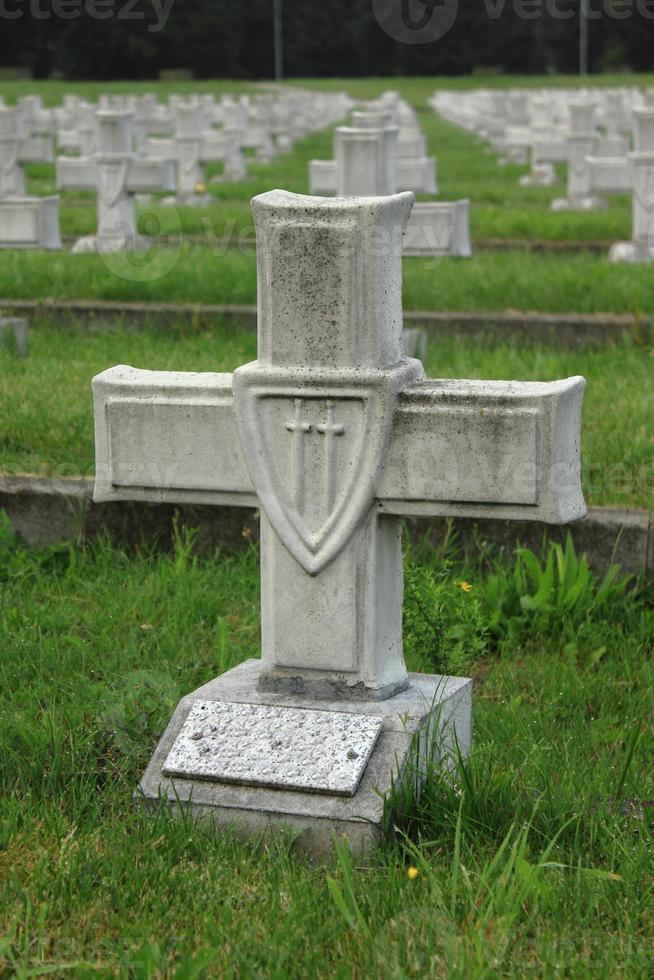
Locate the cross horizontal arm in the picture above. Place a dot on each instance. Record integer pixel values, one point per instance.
(609, 175)
(504, 449)
(468, 448)
(36, 149)
(75, 173)
(151, 175)
(168, 437)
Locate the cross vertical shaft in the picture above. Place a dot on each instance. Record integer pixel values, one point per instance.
(330, 430)
(300, 429)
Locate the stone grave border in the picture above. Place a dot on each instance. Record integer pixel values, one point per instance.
(49, 510)
(535, 245)
(568, 329)
(44, 510)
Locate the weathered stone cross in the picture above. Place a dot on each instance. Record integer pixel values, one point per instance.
(116, 174)
(25, 222)
(641, 173)
(191, 147)
(17, 148)
(337, 436)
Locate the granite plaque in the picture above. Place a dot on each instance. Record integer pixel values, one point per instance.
(280, 748)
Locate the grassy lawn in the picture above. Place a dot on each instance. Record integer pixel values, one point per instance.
(501, 208)
(219, 264)
(54, 434)
(536, 862)
(514, 280)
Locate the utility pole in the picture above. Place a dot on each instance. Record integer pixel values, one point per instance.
(279, 40)
(583, 37)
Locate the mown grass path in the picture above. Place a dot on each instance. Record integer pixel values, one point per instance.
(535, 862)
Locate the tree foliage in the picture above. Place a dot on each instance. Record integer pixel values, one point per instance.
(104, 39)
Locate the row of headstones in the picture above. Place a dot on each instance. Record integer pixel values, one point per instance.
(119, 157)
(265, 123)
(605, 137)
(384, 151)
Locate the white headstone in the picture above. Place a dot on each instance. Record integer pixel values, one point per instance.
(582, 141)
(116, 174)
(25, 221)
(641, 164)
(336, 435)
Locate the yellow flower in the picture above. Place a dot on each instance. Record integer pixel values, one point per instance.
(412, 873)
(465, 586)
(200, 188)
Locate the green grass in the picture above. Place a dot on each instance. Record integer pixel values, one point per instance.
(513, 280)
(218, 265)
(500, 207)
(415, 89)
(54, 434)
(536, 862)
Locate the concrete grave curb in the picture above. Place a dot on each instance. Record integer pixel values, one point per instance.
(537, 246)
(46, 510)
(569, 329)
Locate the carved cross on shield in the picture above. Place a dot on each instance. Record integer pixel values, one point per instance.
(315, 456)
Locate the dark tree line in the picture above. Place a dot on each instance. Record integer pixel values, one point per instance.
(104, 39)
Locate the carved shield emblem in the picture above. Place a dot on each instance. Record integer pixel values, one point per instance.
(315, 457)
(189, 154)
(111, 179)
(8, 155)
(578, 151)
(643, 181)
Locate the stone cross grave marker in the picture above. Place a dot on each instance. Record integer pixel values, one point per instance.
(16, 148)
(25, 221)
(584, 143)
(641, 172)
(337, 436)
(191, 147)
(366, 164)
(116, 174)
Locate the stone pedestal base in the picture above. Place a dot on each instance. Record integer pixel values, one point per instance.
(431, 718)
(542, 175)
(635, 253)
(230, 174)
(518, 155)
(29, 222)
(109, 245)
(578, 204)
(188, 201)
